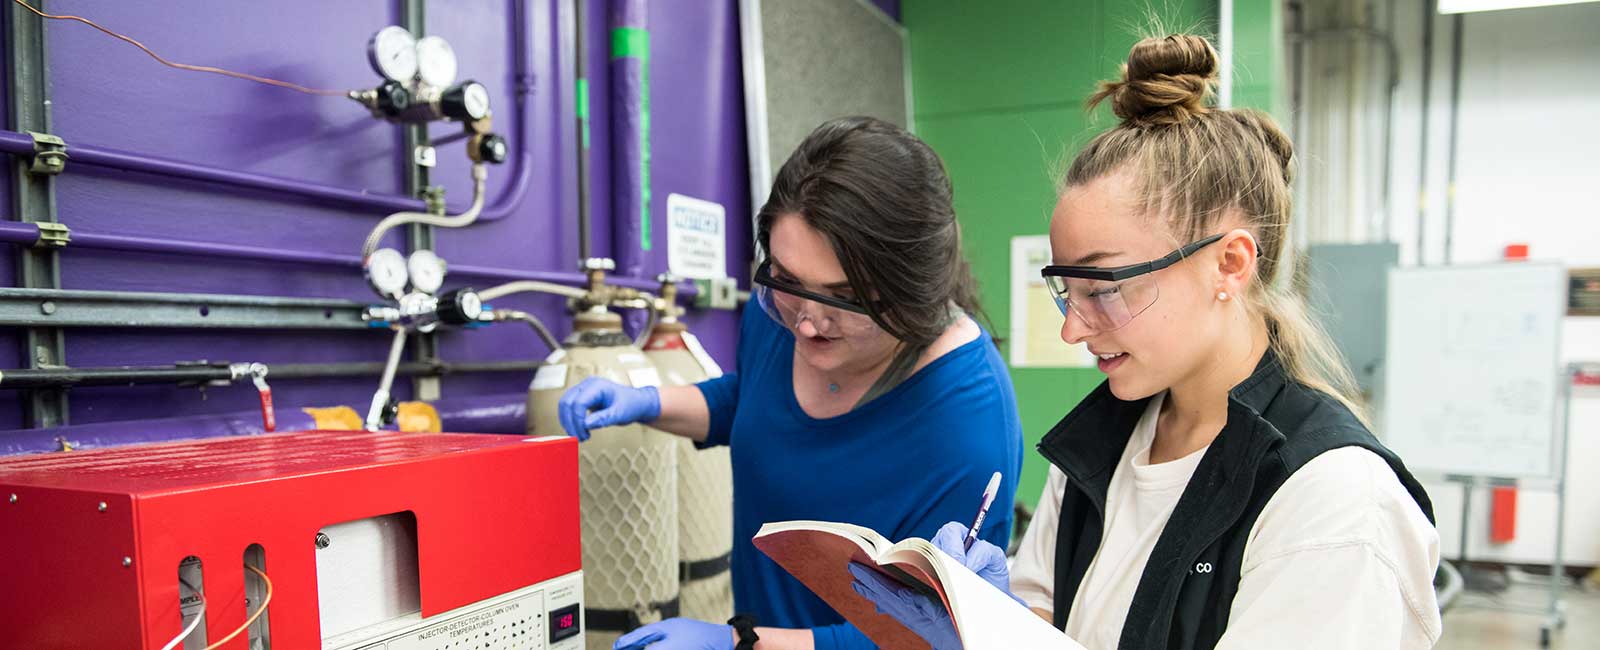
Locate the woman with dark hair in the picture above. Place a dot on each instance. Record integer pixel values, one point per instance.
(866, 392)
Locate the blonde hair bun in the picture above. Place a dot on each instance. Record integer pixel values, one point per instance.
(1165, 81)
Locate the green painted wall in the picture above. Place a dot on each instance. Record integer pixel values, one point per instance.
(998, 90)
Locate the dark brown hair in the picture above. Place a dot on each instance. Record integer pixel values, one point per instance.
(882, 199)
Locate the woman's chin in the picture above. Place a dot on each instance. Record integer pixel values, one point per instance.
(820, 353)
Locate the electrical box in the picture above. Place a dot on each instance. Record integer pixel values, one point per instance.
(1348, 288)
(364, 541)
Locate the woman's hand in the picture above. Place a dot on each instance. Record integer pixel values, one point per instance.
(917, 612)
(678, 634)
(612, 404)
(984, 559)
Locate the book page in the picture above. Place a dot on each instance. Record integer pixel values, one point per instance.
(819, 557)
(988, 619)
(868, 539)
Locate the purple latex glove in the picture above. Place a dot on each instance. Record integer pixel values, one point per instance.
(917, 612)
(612, 404)
(984, 559)
(678, 634)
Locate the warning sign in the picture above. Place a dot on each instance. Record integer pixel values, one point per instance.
(697, 238)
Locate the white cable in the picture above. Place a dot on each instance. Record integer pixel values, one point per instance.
(480, 172)
(199, 616)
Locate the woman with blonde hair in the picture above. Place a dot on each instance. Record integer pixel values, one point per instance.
(1221, 489)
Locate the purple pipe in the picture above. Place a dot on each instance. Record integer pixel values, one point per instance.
(21, 144)
(504, 413)
(482, 414)
(112, 434)
(25, 234)
(630, 139)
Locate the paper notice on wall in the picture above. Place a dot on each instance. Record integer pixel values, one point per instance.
(1035, 319)
(697, 238)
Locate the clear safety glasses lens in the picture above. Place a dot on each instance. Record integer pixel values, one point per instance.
(1103, 306)
(789, 310)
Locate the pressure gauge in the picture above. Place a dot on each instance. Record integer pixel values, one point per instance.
(386, 272)
(427, 271)
(436, 61)
(393, 53)
(467, 101)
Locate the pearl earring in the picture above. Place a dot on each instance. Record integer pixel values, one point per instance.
(1222, 295)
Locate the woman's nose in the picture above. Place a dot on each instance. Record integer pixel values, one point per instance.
(1073, 328)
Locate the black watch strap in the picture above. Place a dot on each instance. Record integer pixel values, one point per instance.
(745, 626)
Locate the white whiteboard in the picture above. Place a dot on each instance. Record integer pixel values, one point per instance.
(1473, 368)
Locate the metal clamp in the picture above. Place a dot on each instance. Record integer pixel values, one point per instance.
(49, 154)
(433, 196)
(52, 235)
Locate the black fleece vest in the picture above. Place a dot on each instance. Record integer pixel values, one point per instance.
(1274, 427)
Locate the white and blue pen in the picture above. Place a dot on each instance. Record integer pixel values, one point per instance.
(983, 510)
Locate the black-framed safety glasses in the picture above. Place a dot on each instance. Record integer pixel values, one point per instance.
(1108, 298)
(764, 278)
(790, 304)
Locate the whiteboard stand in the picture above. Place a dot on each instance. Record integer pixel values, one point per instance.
(1555, 612)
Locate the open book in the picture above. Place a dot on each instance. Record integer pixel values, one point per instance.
(819, 554)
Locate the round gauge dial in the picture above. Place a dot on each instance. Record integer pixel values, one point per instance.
(476, 100)
(386, 272)
(427, 271)
(436, 61)
(393, 53)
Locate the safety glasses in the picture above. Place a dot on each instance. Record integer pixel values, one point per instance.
(1106, 299)
(789, 303)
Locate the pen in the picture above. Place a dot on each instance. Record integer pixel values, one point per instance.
(983, 510)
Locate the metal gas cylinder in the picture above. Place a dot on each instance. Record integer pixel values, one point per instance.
(705, 481)
(628, 484)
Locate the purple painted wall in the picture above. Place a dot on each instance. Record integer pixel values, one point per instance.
(109, 94)
(891, 7)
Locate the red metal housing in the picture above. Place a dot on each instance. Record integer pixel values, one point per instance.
(493, 514)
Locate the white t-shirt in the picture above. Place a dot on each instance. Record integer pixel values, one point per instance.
(1341, 556)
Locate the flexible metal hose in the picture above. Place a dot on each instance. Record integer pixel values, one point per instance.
(532, 321)
(480, 174)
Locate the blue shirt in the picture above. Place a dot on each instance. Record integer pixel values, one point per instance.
(902, 464)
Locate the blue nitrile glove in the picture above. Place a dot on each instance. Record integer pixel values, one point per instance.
(612, 404)
(678, 634)
(984, 559)
(917, 612)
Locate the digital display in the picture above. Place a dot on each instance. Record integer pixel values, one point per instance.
(564, 623)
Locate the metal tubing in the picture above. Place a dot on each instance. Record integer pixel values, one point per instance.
(1455, 138)
(71, 308)
(530, 286)
(581, 109)
(26, 234)
(1392, 52)
(1429, 10)
(116, 376)
(380, 399)
(550, 341)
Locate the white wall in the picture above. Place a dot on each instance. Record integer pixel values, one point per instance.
(1528, 172)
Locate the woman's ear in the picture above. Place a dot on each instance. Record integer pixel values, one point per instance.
(1237, 263)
